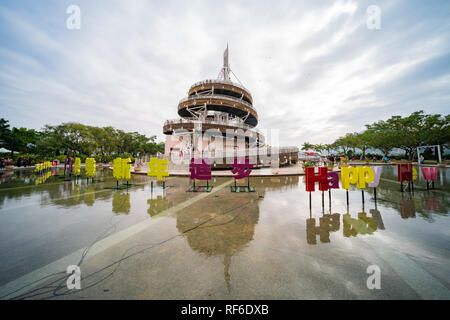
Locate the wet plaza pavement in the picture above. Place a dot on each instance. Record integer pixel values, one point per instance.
(172, 244)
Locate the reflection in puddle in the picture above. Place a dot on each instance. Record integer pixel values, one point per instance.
(328, 223)
(432, 204)
(213, 233)
(222, 227)
(363, 225)
(89, 196)
(157, 205)
(407, 208)
(351, 226)
(121, 203)
(43, 177)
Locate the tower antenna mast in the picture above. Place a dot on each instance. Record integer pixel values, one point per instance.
(225, 72)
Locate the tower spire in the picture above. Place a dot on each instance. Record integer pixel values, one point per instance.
(225, 72)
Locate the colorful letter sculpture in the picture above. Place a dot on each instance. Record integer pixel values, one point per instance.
(126, 165)
(356, 175)
(429, 174)
(404, 172)
(240, 171)
(362, 177)
(365, 176)
(117, 168)
(311, 178)
(333, 180)
(377, 170)
(39, 167)
(77, 167)
(90, 167)
(122, 170)
(349, 175)
(200, 171)
(43, 166)
(158, 168)
(68, 162)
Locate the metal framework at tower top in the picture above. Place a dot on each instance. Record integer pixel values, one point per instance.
(224, 74)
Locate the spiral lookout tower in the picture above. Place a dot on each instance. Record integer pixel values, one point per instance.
(216, 107)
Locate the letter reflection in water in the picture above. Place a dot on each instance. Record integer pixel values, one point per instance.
(351, 226)
(157, 205)
(362, 225)
(121, 203)
(327, 223)
(407, 209)
(432, 204)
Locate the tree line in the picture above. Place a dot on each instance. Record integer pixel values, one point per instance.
(405, 133)
(76, 139)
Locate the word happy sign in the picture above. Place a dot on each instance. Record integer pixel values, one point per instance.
(360, 176)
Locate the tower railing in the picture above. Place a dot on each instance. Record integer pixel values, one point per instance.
(221, 82)
(210, 121)
(219, 96)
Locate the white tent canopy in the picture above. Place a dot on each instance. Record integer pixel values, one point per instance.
(6, 150)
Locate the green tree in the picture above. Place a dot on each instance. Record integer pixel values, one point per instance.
(307, 146)
(345, 143)
(364, 141)
(5, 133)
(318, 148)
(328, 147)
(417, 129)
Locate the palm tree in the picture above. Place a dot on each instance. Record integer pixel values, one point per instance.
(307, 146)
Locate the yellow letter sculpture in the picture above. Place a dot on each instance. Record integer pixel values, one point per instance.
(126, 167)
(77, 167)
(90, 167)
(356, 175)
(158, 168)
(117, 168)
(365, 175)
(349, 175)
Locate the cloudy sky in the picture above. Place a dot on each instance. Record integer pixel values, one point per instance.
(314, 68)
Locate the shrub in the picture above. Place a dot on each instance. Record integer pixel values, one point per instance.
(307, 164)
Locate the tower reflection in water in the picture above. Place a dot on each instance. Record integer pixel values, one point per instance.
(226, 224)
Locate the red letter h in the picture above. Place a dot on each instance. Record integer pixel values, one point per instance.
(321, 178)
